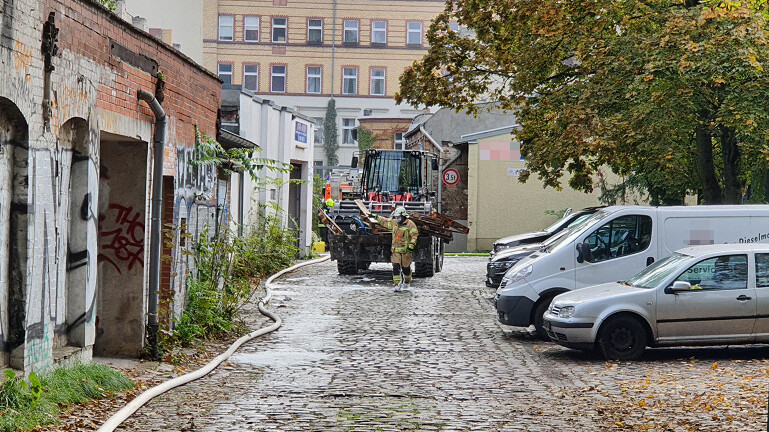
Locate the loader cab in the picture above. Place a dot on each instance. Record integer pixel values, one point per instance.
(398, 175)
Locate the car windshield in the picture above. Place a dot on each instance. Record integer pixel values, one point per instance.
(558, 224)
(652, 276)
(573, 228)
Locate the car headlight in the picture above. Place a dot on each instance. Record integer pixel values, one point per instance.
(504, 264)
(566, 312)
(520, 274)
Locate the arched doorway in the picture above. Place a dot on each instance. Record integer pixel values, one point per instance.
(14, 162)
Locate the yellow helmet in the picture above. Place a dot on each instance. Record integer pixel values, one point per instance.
(400, 211)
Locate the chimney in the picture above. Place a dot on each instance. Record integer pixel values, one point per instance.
(120, 10)
(140, 23)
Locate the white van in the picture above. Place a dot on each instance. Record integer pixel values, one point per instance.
(614, 244)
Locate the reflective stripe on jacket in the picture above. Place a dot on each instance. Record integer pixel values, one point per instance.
(404, 236)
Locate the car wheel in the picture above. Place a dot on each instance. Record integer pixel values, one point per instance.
(622, 338)
(539, 317)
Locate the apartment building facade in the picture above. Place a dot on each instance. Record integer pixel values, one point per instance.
(300, 53)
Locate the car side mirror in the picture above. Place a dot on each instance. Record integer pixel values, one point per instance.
(679, 286)
(435, 164)
(580, 253)
(584, 252)
(354, 163)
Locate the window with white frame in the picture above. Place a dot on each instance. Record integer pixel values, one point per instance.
(251, 77)
(318, 130)
(414, 35)
(279, 30)
(348, 126)
(251, 29)
(315, 31)
(278, 79)
(350, 81)
(351, 31)
(377, 82)
(314, 83)
(225, 73)
(226, 27)
(379, 32)
(399, 141)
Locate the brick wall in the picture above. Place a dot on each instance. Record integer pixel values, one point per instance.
(384, 130)
(102, 62)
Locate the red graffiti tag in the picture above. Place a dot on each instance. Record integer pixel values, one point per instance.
(124, 243)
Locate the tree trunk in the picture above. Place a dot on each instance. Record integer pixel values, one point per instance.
(711, 191)
(731, 156)
(766, 186)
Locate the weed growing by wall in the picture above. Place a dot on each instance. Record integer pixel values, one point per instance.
(25, 404)
(229, 270)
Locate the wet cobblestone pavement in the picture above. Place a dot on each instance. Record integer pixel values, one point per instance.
(354, 356)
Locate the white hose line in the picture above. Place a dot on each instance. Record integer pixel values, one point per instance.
(119, 417)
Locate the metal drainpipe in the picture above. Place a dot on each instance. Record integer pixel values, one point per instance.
(155, 226)
(333, 49)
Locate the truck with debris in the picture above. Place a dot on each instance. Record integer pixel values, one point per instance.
(390, 178)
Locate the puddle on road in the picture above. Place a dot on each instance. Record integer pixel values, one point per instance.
(279, 358)
(295, 279)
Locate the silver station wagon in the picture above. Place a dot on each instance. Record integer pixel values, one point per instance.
(701, 295)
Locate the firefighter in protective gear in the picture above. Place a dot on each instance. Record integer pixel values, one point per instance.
(405, 235)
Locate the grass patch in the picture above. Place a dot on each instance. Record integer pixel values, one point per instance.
(25, 404)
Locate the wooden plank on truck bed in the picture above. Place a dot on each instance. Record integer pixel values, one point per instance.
(362, 208)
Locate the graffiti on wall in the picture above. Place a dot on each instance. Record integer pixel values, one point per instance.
(192, 203)
(123, 245)
(49, 206)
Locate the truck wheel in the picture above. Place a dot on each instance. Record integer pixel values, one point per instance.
(347, 267)
(622, 338)
(439, 257)
(424, 270)
(538, 318)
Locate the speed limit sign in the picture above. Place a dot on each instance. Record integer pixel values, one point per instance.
(451, 176)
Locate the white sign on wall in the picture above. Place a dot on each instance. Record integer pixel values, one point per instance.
(451, 177)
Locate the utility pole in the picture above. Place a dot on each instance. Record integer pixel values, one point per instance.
(333, 49)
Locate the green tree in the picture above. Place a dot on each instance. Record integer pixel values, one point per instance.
(330, 134)
(670, 94)
(366, 140)
(111, 4)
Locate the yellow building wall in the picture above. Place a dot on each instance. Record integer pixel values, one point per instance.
(499, 205)
(297, 54)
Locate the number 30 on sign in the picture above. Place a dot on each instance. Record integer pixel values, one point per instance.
(451, 176)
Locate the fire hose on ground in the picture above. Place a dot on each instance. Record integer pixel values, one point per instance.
(119, 417)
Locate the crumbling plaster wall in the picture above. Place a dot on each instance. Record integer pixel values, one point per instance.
(49, 233)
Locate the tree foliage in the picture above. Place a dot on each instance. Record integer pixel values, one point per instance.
(672, 94)
(330, 134)
(111, 4)
(366, 140)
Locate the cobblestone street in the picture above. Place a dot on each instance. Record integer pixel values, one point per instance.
(354, 356)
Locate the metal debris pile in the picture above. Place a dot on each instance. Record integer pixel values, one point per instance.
(435, 223)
